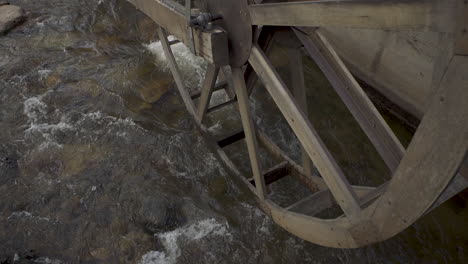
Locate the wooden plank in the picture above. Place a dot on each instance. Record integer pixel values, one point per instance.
(176, 73)
(274, 174)
(461, 31)
(249, 130)
(319, 201)
(306, 134)
(363, 110)
(299, 91)
(419, 15)
(209, 44)
(219, 86)
(312, 182)
(216, 107)
(313, 204)
(231, 139)
(207, 91)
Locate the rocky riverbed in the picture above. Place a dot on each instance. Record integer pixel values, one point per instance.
(101, 163)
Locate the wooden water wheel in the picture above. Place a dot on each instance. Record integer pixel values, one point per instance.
(235, 34)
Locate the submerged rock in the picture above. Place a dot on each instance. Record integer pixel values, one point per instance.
(10, 16)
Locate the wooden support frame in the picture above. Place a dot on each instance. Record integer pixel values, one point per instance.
(249, 130)
(306, 134)
(363, 110)
(416, 15)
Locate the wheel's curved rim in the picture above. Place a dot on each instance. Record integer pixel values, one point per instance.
(379, 221)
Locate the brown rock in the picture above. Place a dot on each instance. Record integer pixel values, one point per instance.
(10, 16)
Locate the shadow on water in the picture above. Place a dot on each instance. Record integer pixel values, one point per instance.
(100, 162)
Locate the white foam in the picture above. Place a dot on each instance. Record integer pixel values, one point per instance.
(34, 108)
(197, 231)
(193, 67)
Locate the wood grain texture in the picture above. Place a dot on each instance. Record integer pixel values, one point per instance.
(306, 134)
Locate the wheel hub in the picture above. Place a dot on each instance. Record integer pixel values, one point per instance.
(236, 21)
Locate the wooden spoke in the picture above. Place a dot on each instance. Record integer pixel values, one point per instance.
(175, 72)
(299, 91)
(380, 134)
(306, 134)
(207, 91)
(265, 42)
(249, 130)
(419, 15)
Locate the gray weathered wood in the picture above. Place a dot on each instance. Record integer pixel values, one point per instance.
(312, 181)
(306, 134)
(209, 44)
(207, 91)
(249, 130)
(461, 30)
(433, 157)
(420, 15)
(363, 110)
(176, 73)
(299, 91)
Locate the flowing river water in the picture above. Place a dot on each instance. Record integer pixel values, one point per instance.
(101, 163)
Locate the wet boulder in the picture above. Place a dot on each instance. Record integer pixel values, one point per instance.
(10, 16)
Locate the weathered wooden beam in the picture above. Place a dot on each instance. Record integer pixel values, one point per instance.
(274, 174)
(299, 91)
(219, 86)
(319, 201)
(216, 107)
(176, 72)
(209, 44)
(312, 182)
(207, 91)
(231, 139)
(306, 134)
(419, 15)
(363, 110)
(249, 130)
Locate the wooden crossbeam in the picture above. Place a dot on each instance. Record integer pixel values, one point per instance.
(419, 15)
(319, 201)
(216, 107)
(306, 134)
(210, 44)
(312, 181)
(219, 86)
(207, 91)
(231, 139)
(363, 110)
(249, 129)
(274, 174)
